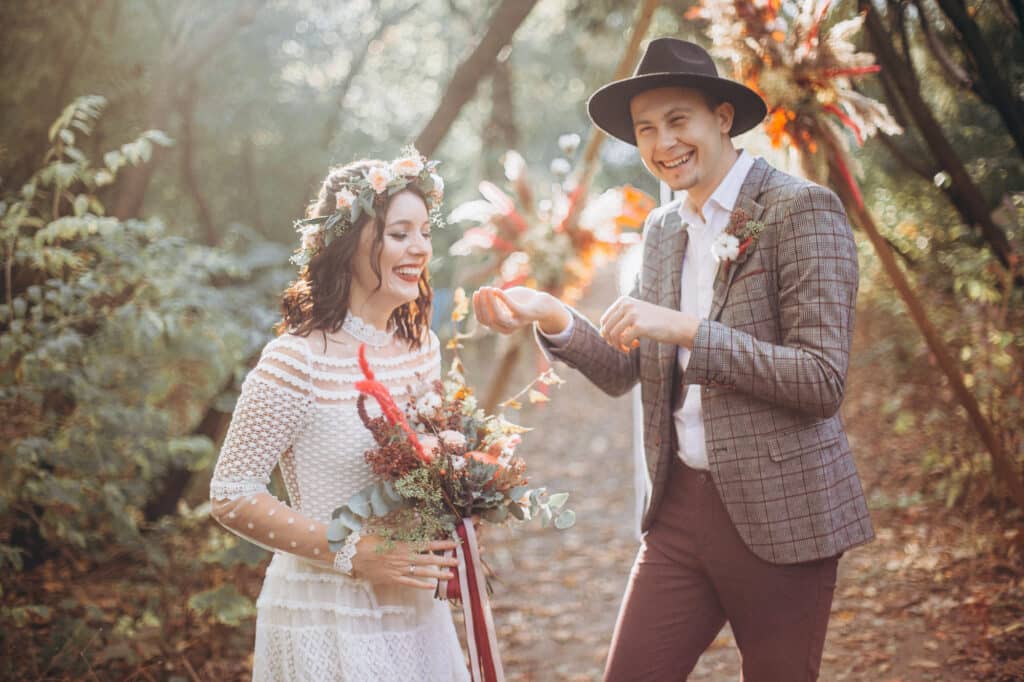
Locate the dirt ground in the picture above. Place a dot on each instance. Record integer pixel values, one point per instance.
(927, 600)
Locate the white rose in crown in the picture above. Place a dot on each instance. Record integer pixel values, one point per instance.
(438, 191)
(725, 248)
(378, 177)
(344, 199)
(407, 166)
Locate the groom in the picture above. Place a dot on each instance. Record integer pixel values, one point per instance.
(738, 330)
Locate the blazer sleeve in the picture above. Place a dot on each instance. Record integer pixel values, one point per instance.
(611, 370)
(817, 280)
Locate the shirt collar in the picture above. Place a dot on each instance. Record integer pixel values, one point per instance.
(725, 195)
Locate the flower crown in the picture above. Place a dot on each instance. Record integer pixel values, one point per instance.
(355, 197)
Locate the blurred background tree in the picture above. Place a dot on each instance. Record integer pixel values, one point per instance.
(131, 306)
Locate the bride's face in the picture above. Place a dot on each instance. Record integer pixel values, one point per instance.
(404, 254)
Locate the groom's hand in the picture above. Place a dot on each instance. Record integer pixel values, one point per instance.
(509, 310)
(630, 319)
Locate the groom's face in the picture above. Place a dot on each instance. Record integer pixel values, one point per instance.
(683, 141)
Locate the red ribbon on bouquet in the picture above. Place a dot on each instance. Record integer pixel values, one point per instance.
(481, 639)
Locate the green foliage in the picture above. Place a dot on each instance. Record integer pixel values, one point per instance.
(116, 339)
(225, 604)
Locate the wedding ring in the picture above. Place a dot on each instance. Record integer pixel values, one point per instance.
(411, 568)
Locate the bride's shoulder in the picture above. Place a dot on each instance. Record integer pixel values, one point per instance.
(431, 342)
(288, 343)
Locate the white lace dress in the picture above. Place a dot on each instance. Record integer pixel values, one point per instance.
(297, 410)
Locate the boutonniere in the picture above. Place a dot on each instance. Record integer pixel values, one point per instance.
(737, 238)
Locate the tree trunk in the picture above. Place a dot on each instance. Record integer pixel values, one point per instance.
(500, 132)
(252, 188)
(181, 65)
(967, 197)
(503, 371)
(506, 19)
(189, 175)
(174, 483)
(86, 23)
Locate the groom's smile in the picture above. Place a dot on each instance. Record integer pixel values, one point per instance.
(681, 135)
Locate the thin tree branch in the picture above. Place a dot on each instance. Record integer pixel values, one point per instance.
(913, 163)
(971, 203)
(956, 73)
(361, 53)
(1001, 96)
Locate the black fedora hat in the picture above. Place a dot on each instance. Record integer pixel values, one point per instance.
(669, 62)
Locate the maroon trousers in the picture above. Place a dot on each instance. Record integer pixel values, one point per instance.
(693, 573)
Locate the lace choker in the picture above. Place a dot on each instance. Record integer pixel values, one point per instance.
(365, 332)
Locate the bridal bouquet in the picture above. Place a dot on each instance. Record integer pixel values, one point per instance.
(440, 459)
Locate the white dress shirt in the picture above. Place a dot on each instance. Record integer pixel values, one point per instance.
(698, 279)
(698, 282)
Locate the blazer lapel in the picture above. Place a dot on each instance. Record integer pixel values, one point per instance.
(673, 241)
(747, 201)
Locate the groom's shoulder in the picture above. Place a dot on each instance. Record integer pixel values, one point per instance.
(658, 213)
(780, 189)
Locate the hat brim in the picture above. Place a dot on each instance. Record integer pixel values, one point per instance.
(609, 106)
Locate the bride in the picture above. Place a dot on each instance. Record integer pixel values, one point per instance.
(366, 612)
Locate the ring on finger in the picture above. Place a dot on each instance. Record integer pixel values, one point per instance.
(412, 569)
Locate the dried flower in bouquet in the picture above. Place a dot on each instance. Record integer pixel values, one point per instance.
(440, 459)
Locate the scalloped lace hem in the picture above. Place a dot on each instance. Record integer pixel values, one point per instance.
(343, 559)
(339, 609)
(294, 576)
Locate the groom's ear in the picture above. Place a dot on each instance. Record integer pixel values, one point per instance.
(725, 112)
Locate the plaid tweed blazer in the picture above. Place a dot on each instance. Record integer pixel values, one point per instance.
(772, 360)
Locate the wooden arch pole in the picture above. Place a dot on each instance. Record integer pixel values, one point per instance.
(1001, 462)
(506, 363)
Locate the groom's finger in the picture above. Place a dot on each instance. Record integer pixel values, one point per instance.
(487, 312)
(498, 318)
(506, 317)
(613, 311)
(619, 334)
(484, 312)
(608, 321)
(612, 322)
(478, 308)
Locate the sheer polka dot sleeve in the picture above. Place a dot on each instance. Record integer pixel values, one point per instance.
(273, 408)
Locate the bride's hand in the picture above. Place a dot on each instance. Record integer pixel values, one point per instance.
(509, 310)
(403, 564)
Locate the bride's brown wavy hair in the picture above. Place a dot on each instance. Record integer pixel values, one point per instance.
(319, 299)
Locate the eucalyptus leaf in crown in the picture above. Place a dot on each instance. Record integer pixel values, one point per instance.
(365, 195)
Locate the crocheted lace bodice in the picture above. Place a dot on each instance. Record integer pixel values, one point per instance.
(297, 410)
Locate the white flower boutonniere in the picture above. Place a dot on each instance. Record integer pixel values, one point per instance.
(737, 238)
(725, 248)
